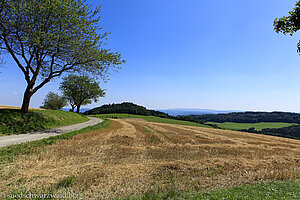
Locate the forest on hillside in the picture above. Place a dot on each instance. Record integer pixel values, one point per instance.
(126, 107)
(292, 132)
(250, 117)
(257, 117)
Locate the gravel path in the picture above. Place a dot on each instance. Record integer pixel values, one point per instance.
(17, 139)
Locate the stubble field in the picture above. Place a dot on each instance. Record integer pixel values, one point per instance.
(133, 157)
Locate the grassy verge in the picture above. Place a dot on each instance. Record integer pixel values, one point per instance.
(272, 190)
(257, 126)
(63, 118)
(9, 153)
(12, 121)
(150, 119)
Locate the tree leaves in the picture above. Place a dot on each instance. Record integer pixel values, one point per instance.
(48, 38)
(289, 24)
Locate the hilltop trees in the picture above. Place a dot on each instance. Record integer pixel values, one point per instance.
(289, 24)
(250, 117)
(47, 38)
(126, 107)
(54, 101)
(80, 90)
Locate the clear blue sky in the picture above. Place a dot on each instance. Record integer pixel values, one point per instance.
(212, 54)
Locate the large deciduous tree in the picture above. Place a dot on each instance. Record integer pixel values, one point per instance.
(80, 90)
(47, 38)
(289, 24)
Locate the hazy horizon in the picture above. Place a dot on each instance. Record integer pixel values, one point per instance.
(192, 109)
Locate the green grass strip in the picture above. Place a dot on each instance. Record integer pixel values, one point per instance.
(257, 126)
(288, 190)
(63, 118)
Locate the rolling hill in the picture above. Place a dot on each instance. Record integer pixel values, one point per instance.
(250, 117)
(125, 107)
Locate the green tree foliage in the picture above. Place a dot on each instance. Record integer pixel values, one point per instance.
(54, 102)
(250, 117)
(47, 38)
(126, 107)
(80, 90)
(287, 132)
(257, 117)
(289, 24)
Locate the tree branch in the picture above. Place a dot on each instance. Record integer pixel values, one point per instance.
(47, 80)
(22, 47)
(15, 58)
(38, 67)
(29, 63)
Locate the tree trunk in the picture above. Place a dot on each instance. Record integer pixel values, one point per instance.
(26, 100)
(72, 108)
(78, 109)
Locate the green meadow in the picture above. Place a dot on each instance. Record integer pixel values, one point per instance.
(288, 190)
(257, 126)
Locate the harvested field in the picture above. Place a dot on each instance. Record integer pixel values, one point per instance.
(135, 156)
(15, 107)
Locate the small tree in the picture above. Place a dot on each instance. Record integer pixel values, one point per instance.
(47, 38)
(54, 101)
(80, 90)
(289, 24)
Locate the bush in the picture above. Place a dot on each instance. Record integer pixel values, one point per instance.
(54, 102)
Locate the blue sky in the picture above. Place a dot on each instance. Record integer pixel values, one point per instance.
(211, 54)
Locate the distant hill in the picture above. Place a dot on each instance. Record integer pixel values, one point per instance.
(256, 117)
(250, 117)
(194, 111)
(126, 107)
